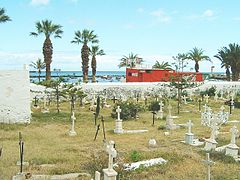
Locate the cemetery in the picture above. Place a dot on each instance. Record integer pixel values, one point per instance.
(114, 132)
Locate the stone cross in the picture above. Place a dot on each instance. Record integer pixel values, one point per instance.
(208, 163)
(118, 112)
(234, 132)
(189, 124)
(161, 105)
(214, 131)
(73, 118)
(169, 110)
(112, 153)
(185, 99)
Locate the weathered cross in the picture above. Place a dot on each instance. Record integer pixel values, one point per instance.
(112, 153)
(161, 106)
(205, 108)
(189, 124)
(234, 132)
(214, 131)
(208, 163)
(118, 112)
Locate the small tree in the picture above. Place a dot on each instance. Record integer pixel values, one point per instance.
(39, 65)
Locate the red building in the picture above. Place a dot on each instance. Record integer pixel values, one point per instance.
(158, 75)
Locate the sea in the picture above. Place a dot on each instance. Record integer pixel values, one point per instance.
(101, 76)
(76, 76)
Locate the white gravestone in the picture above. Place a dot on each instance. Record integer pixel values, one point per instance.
(15, 96)
(110, 173)
(211, 143)
(72, 131)
(189, 135)
(232, 148)
(161, 109)
(169, 120)
(207, 97)
(118, 123)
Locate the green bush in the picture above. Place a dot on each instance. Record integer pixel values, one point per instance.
(211, 91)
(129, 110)
(154, 106)
(135, 156)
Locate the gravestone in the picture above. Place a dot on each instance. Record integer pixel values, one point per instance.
(110, 173)
(15, 96)
(118, 122)
(72, 131)
(206, 98)
(152, 142)
(211, 143)
(232, 149)
(169, 119)
(189, 135)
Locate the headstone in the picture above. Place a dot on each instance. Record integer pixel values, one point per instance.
(45, 109)
(110, 173)
(208, 163)
(72, 131)
(161, 109)
(118, 123)
(232, 149)
(216, 96)
(189, 136)
(184, 99)
(169, 120)
(211, 143)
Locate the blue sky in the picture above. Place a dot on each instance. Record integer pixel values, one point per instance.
(153, 29)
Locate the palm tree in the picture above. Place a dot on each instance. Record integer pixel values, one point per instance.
(197, 56)
(3, 16)
(95, 51)
(47, 28)
(233, 55)
(84, 38)
(222, 55)
(163, 65)
(39, 65)
(130, 61)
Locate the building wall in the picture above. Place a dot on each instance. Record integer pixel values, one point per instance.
(14, 96)
(157, 75)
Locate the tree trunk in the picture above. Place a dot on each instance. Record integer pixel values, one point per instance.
(196, 66)
(233, 69)
(47, 53)
(94, 69)
(85, 61)
(228, 74)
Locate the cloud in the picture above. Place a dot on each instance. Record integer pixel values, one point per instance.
(208, 13)
(140, 10)
(39, 2)
(161, 16)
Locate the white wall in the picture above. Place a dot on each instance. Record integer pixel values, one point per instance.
(14, 96)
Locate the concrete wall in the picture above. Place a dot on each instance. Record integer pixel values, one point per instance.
(14, 96)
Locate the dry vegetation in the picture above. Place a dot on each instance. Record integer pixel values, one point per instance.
(46, 142)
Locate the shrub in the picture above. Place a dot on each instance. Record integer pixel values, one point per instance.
(154, 106)
(211, 91)
(129, 110)
(135, 156)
